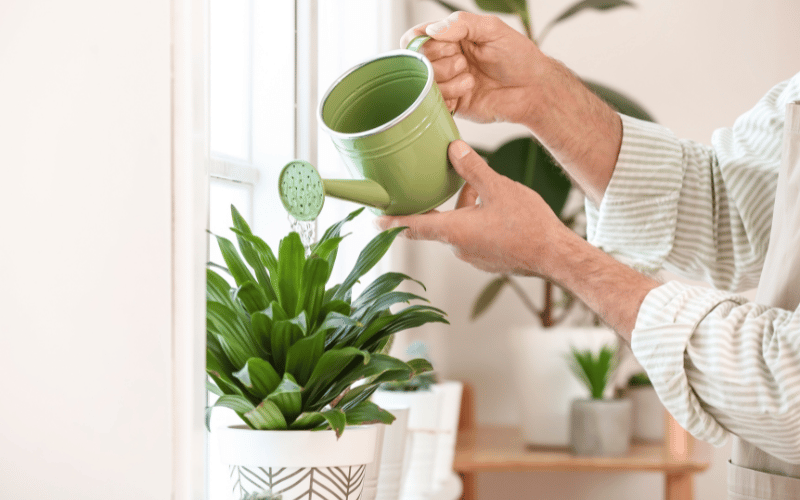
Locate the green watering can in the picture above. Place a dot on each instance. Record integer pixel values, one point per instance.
(389, 122)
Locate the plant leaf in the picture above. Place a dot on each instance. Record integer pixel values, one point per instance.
(619, 102)
(383, 284)
(312, 292)
(252, 296)
(503, 6)
(233, 260)
(335, 418)
(304, 355)
(239, 404)
(266, 416)
(287, 398)
(218, 289)
(487, 296)
(213, 388)
(369, 256)
(590, 4)
(283, 336)
(368, 412)
(265, 254)
(291, 258)
(250, 254)
(259, 377)
(419, 365)
(224, 321)
(524, 160)
(328, 370)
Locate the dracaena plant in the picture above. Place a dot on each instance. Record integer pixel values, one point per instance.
(526, 161)
(287, 352)
(594, 370)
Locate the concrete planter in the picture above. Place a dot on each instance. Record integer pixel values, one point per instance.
(600, 427)
(648, 413)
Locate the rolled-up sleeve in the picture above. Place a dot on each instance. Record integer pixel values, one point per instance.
(722, 364)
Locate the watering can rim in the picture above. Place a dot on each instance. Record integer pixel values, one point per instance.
(394, 121)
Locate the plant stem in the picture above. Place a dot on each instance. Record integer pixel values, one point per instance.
(546, 315)
(524, 297)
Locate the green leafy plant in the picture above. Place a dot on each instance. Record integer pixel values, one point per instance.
(526, 161)
(594, 371)
(285, 352)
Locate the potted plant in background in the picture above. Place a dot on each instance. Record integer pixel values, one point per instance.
(298, 361)
(599, 425)
(544, 385)
(434, 408)
(648, 411)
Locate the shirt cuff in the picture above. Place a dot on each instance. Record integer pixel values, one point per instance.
(667, 319)
(636, 219)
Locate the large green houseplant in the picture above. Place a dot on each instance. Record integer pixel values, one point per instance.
(526, 161)
(291, 355)
(544, 386)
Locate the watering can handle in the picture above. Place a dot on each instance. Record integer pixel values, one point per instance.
(417, 42)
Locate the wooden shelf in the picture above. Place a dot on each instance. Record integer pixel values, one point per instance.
(492, 448)
(501, 449)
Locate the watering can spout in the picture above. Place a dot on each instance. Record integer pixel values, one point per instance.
(303, 191)
(363, 191)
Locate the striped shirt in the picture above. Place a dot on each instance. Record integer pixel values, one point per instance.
(720, 363)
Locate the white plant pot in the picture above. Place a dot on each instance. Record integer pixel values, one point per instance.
(600, 427)
(295, 463)
(648, 413)
(546, 386)
(423, 422)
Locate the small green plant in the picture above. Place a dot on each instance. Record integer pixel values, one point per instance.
(594, 371)
(639, 380)
(284, 351)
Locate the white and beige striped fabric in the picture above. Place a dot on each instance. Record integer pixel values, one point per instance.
(720, 363)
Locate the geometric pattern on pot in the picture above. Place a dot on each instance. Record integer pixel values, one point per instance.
(295, 483)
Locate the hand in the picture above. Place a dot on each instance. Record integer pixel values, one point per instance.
(510, 230)
(485, 69)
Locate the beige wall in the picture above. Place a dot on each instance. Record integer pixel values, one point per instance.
(86, 210)
(695, 65)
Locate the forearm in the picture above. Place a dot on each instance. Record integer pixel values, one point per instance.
(578, 128)
(610, 288)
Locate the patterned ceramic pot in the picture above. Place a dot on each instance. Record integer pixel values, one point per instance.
(298, 464)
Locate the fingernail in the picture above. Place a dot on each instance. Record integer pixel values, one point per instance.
(435, 28)
(460, 149)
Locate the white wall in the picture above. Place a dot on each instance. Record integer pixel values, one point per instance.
(696, 66)
(85, 204)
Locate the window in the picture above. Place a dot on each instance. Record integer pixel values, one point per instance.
(269, 64)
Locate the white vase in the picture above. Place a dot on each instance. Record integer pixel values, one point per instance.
(423, 421)
(648, 413)
(393, 453)
(546, 386)
(447, 431)
(295, 463)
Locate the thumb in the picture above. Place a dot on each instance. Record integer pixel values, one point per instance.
(471, 167)
(466, 26)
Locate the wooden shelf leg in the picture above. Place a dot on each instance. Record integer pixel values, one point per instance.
(678, 487)
(470, 485)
